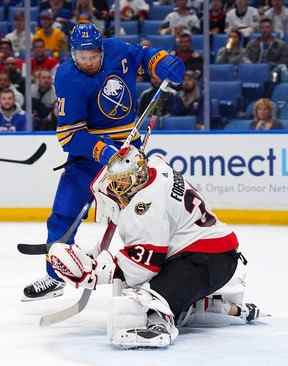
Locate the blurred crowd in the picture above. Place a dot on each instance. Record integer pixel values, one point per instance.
(251, 32)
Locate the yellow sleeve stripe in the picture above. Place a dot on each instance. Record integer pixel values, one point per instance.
(112, 130)
(66, 139)
(155, 60)
(122, 136)
(97, 150)
(65, 133)
(74, 127)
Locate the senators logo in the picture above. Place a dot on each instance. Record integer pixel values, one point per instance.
(142, 207)
(114, 99)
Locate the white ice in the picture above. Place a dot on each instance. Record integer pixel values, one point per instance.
(82, 340)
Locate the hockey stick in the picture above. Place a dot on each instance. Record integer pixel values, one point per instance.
(36, 156)
(59, 316)
(35, 249)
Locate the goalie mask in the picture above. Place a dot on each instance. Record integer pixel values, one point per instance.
(127, 174)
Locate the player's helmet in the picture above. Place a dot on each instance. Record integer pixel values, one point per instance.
(85, 37)
(127, 173)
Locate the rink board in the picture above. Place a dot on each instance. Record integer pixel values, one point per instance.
(243, 176)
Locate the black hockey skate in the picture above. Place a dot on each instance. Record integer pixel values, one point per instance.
(250, 312)
(44, 288)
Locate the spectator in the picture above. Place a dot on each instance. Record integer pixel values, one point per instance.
(265, 116)
(17, 37)
(190, 97)
(54, 39)
(232, 53)
(48, 123)
(41, 59)
(43, 97)
(6, 51)
(84, 7)
(217, 17)
(10, 66)
(57, 7)
(267, 48)
(180, 19)
(244, 18)
(164, 106)
(97, 10)
(184, 50)
(134, 9)
(279, 16)
(12, 117)
(5, 83)
(83, 18)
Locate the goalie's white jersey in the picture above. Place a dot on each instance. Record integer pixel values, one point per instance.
(164, 219)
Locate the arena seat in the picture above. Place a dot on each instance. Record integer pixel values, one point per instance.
(224, 72)
(5, 28)
(130, 27)
(218, 41)
(227, 94)
(238, 125)
(179, 123)
(280, 93)
(34, 13)
(1, 13)
(197, 42)
(165, 42)
(253, 77)
(140, 87)
(284, 123)
(159, 12)
(151, 27)
(129, 39)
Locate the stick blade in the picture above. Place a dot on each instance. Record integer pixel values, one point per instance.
(37, 155)
(32, 249)
(67, 313)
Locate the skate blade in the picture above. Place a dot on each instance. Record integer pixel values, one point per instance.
(51, 295)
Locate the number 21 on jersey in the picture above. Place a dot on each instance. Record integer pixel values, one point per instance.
(61, 106)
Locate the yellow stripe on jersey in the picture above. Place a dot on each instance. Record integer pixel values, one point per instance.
(115, 133)
(66, 132)
(155, 60)
(97, 150)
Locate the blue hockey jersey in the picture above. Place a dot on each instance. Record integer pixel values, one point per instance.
(95, 109)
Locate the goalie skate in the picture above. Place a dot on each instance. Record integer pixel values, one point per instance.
(44, 288)
(155, 336)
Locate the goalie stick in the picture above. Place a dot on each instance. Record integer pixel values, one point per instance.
(33, 158)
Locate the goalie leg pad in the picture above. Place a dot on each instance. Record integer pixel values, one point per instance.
(131, 327)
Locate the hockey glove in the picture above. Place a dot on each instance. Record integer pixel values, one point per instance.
(74, 266)
(171, 68)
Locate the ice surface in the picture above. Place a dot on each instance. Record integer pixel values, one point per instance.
(82, 341)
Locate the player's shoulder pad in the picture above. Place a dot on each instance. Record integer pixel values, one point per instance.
(68, 76)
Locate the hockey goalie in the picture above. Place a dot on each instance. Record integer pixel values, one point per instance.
(178, 262)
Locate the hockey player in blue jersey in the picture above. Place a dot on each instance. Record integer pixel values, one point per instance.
(97, 105)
